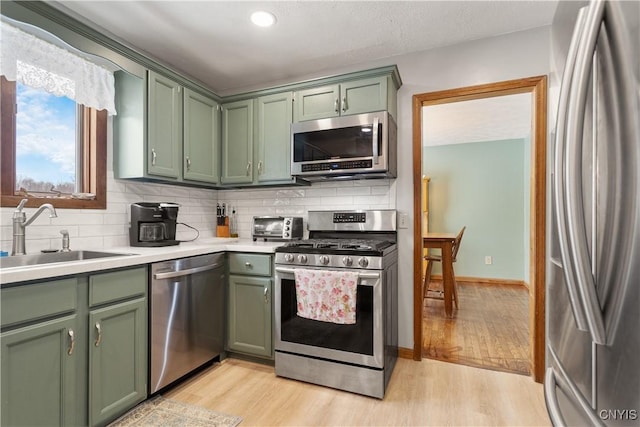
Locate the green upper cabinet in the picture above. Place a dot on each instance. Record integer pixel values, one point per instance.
(350, 97)
(165, 131)
(256, 140)
(164, 126)
(171, 130)
(274, 114)
(237, 142)
(317, 103)
(201, 138)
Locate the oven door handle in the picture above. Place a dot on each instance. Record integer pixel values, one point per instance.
(360, 275)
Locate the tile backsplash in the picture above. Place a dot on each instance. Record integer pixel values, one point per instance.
(297, 201)
(104, 229)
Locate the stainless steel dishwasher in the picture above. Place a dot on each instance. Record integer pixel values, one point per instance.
(187, 316)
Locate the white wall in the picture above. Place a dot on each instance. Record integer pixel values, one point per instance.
(506, 57)
(480, 185)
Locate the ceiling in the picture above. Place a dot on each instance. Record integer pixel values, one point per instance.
(479, 120)
(214, 42)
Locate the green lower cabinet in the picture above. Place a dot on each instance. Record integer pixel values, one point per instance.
(117, 360)
(39, 368)
(249, 327)
(74, 350)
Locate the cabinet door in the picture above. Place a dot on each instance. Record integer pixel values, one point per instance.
(39, 368)
(317, 103)
(117, 359)
(275, 114)
(164, 121)
(363, 96)
(237, 142)
(250, 315)
(201, 138)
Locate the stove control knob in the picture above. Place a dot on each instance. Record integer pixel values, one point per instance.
(324, 260)
(287, 222)
(302, 259)
(288, 257)
(286, 227)
(286, 234)
(363, 262)
(348, 261)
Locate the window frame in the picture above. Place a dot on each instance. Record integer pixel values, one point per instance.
(94, 155)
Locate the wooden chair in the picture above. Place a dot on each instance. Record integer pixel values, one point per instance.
(431, 258)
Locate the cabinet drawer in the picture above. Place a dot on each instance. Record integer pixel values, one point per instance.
(38, 301)
(117, 285)
(253, 264)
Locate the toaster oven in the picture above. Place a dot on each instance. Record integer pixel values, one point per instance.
(276, 228)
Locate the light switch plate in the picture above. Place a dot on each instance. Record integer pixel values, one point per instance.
(403, 220)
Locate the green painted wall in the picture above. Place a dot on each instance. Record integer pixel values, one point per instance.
(481, 185)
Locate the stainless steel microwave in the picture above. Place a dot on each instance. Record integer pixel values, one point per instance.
(356, 146)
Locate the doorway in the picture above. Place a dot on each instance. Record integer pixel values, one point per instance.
(536, 87)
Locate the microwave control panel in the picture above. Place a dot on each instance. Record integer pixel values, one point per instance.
(348, 164)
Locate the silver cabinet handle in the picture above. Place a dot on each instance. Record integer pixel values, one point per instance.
(188, 163)
(266, 295)
(374, 137)
(172, 274)
(72, 342)
(344, 104)
(260, 167)
(99, 339)
(249, 169)
(153, 156)
(576, 221)
(336, 106)
(559, 175)
(247, 264)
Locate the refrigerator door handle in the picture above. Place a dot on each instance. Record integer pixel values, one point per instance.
(559, 378)
(559, 175)
(573, 163)
(551, 398)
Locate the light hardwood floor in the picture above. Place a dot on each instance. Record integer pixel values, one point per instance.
(427, 393)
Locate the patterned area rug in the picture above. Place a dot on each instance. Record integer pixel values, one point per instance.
(161, 412)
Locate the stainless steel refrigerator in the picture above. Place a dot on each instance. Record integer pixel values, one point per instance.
(593, 285)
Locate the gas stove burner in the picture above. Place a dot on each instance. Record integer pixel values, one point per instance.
(362, 245)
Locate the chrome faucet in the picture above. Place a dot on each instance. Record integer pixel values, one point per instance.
(20, 223)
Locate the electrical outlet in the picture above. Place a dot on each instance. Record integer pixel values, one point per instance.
(403, 220)
(488, 260)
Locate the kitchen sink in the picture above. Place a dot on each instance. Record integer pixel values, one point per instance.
(54, 257)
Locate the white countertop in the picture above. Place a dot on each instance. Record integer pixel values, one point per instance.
(140, 255)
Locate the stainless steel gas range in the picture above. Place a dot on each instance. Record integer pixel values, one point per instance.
(357, 356)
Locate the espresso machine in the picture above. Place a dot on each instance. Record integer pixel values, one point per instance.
(153, 224)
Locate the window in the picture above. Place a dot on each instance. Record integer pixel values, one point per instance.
(51, 147)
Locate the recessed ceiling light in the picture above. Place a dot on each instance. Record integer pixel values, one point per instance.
(263, 19)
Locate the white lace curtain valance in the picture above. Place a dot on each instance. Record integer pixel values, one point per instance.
(42, 65)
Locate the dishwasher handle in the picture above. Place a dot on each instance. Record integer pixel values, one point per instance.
(171, 274)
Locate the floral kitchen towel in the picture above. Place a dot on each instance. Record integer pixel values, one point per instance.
(327, 296)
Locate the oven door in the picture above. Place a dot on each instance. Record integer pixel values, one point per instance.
(360, 343)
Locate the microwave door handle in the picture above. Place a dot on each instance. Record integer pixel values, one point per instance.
(374, 137)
